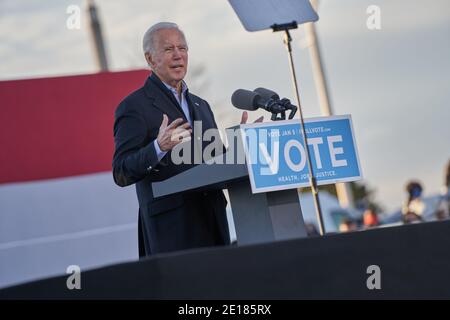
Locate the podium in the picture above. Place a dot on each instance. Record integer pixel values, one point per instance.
(258, 218)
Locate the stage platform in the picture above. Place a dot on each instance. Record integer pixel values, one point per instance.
(414, 263)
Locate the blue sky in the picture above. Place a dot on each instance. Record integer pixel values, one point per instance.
(394, 82)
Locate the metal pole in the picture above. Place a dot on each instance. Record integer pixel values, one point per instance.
(312, 179)
(343, 190)
(96, 36)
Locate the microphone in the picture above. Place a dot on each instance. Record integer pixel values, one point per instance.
(265, 99)
(285, 103)
(267, 94)
(245, 100)
(251, 101)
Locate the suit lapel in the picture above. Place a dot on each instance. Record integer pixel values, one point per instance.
(199, 111)
(163, 98)
(193, 107)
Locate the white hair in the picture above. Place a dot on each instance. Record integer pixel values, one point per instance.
(148, 42)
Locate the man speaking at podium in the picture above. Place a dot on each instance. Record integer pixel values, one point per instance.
(145, 123)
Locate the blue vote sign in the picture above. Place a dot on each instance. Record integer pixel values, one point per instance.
(276, 156)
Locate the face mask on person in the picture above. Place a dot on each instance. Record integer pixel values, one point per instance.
(416, 192)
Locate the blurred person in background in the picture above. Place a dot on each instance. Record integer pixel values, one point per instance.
(411, 217)
(414, 209)
(348, 225)
(370, 218)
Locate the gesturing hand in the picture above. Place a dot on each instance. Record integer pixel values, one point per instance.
(244, 118)
(171, 135)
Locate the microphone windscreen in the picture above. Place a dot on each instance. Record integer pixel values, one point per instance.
(267, 94)
(245, 99)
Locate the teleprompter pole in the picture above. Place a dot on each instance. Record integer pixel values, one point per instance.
(312, 180)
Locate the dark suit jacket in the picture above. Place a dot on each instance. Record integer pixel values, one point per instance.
(174, 222)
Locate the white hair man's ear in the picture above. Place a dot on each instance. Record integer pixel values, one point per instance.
(148, 58)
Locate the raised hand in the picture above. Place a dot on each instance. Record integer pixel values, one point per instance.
(244, 118)
(170, 135)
